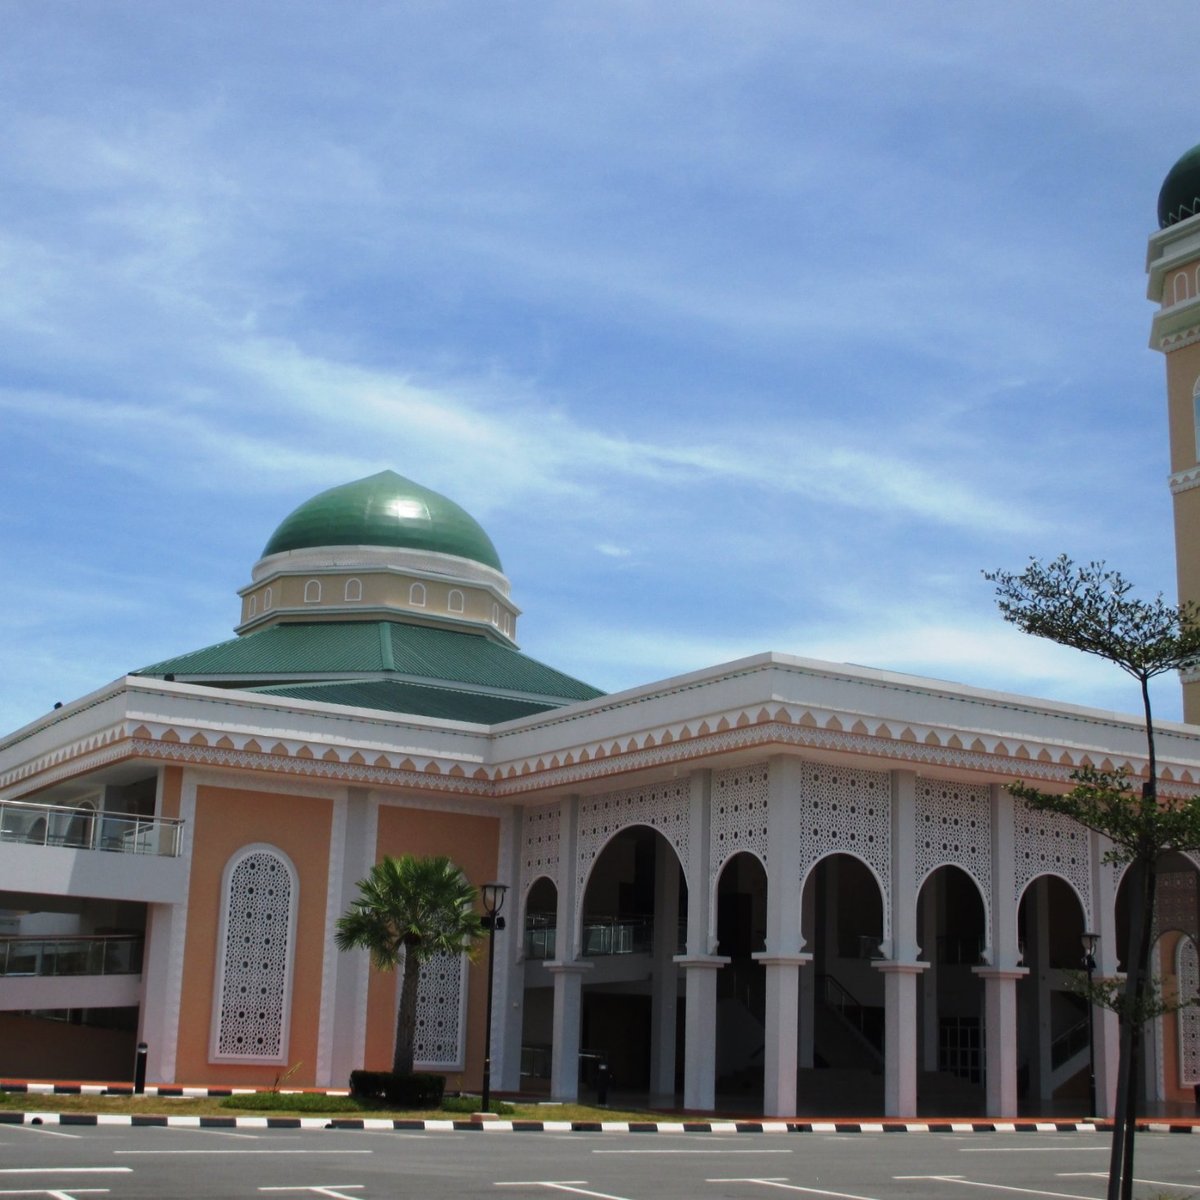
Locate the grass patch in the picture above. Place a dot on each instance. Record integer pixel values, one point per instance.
(296, 1103)
(471, 1104)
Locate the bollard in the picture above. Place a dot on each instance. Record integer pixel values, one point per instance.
(139, 1069)
(602, 1083)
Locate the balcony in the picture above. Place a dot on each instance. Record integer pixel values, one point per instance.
(85, 828)
(112, 954)
(57, 850)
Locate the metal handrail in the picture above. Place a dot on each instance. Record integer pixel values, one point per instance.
(104, 954)
(81, 828)
(1069, 1043)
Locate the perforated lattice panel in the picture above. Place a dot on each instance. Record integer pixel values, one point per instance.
(1187, 972)
(439, 1041)
(739, 815)
(1049, 843)
(541, 842)
(848, 811)
(954, 828)
(253, 988)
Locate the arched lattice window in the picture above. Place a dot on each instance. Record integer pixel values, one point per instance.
(252, 1004)
(1187, 975)
(455, 602)
(416, 595)
(312, 592)
(353, 589)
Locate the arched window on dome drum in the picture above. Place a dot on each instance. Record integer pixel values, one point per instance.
(455, 602)
(312, 592)
(1179, 287)
(253, 606)
(353, 590)
(252, 1005)
(267, 600)
(416, 595)
(495, 614)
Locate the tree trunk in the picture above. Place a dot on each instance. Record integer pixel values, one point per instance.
(406, 1016)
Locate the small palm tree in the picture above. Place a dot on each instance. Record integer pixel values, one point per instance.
(408, 910)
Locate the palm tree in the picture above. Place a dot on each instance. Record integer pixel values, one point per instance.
(409, 909)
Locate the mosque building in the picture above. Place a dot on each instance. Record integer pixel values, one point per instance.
(776, 883)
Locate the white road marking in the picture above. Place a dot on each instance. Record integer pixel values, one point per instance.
(723, 1153)
(1104, 1175)
(253, 1137)
(795, 1187)
(30, 1128)
(561, 1186)
(57, 1195)
(335, 1190)
(1031, 1149)
(997, 1187)
(66, 1170)
(176, 1152)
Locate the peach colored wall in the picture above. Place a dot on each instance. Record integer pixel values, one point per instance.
(172, 788)
(471, 842)
(226, 820)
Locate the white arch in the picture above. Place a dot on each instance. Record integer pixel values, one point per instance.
(455, 601)
(988, 932)
(886, 899)
(1083, 908)
(524, 910)
(312, 592)
(353, 590)
(1179, 287)
(577, 924)
(416, 595)
(715, 884)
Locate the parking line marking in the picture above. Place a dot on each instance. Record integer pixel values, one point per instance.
(334, 1190)
(66, 1170)
(1031, 1149)
(232, 1151)
(795, 1187)
(997, 1187)
(723, 1153)
(561, 1186)
(1104, 1175)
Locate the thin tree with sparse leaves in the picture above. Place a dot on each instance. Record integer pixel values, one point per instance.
(408, 910)
(1091, 608)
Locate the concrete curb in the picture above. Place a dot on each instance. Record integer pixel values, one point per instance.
(505, 1126)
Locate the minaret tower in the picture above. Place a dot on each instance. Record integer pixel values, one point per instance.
(1173, 263)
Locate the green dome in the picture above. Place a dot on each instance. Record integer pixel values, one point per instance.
(385, 510)
(1180, 195)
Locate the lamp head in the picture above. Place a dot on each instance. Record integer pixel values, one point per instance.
(493, 897)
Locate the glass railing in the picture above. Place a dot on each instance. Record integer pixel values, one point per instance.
(88, 829)
(115, 954)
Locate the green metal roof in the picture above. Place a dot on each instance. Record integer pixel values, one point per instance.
(1180, 194)
(385, 510)
(301, 651)
(417, 699)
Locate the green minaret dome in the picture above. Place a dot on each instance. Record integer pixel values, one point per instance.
(1180, 194)
(385, 510)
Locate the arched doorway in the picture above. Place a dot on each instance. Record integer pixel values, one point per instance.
(1052, 1018)
(952, 933)
(633, 913)
(842, 995)
(741, 911)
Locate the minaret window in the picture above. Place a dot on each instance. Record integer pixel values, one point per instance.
(1180, 287)
(353, 590)
(253, 606)
(312, 592)
(495, 614)
(267, 600)
(454, 602)
(416, 595)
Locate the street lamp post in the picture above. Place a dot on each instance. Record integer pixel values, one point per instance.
(1089, 941)
(493, 902)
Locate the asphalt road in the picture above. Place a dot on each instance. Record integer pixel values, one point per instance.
(191, 1164)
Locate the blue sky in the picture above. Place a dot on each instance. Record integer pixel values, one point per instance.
(740, 327)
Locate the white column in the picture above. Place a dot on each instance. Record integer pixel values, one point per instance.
(700, 1049)
(344, 1013)
(567, 968)
(568, 1013)
(1106, 1031)
(900, 1037)
(700, 964)
(1000, 1037)
(509, 1000)
(1002, 971)
(664, 984)
(902, 967)
(782, 958)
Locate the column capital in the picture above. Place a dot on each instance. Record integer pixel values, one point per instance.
(710, 962)
(801, 959)
(567, 967)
